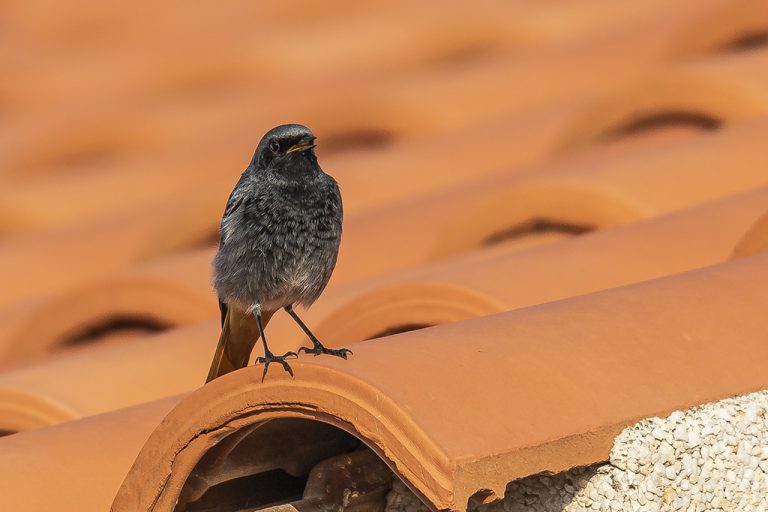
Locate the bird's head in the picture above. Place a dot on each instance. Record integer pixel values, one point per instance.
(286, 147)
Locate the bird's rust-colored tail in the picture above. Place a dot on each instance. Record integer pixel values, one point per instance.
(239, 334)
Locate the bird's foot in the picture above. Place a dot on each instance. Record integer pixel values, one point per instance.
(320, 349)
(272, 358)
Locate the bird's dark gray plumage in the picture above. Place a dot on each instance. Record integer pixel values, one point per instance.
(280, 237)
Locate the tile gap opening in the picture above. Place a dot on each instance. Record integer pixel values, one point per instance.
(251, 492)
(300, 463)
(747, 41)
(117, 326)
(536, 227)
(664, 120)
(397, 329)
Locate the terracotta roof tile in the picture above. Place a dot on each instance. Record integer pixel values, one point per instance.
(62, 457)
(103, 246)
(151, 298)
(421, 103)
(637, 329)
(483, 282)
(702, 95)
(589, 191)
(755, 240)
(730, 27)
(62, 388)
(574, 390)
(583, 194)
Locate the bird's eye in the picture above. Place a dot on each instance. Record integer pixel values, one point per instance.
(274, 146)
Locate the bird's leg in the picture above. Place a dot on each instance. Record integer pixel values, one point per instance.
(317, 347)
(269, 357)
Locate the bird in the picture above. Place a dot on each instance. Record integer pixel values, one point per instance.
(279, 241)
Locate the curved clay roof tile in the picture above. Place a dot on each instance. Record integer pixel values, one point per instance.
(698, 96)
(406, 103)
(739, 25)
(488, 281)
(591, 193)
(755, 240)
(582, 192)
(150, 299)
(101, 247)
(82, 463)
(558, 382)
(64, 388)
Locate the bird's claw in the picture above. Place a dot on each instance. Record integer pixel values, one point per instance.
(271, 358)
(319, 349)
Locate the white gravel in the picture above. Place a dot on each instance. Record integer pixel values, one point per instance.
(713, 457)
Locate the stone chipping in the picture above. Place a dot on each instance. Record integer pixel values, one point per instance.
(713, 457)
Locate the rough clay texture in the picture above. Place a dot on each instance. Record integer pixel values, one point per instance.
(713, 457)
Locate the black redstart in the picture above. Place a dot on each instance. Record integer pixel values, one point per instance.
(280, 236)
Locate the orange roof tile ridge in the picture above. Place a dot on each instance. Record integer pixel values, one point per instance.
(397, 430)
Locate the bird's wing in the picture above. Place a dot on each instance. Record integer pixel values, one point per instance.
(235, 200)
(227, 226)
(228, 219)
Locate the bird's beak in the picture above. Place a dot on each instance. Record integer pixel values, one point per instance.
(303, 145)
